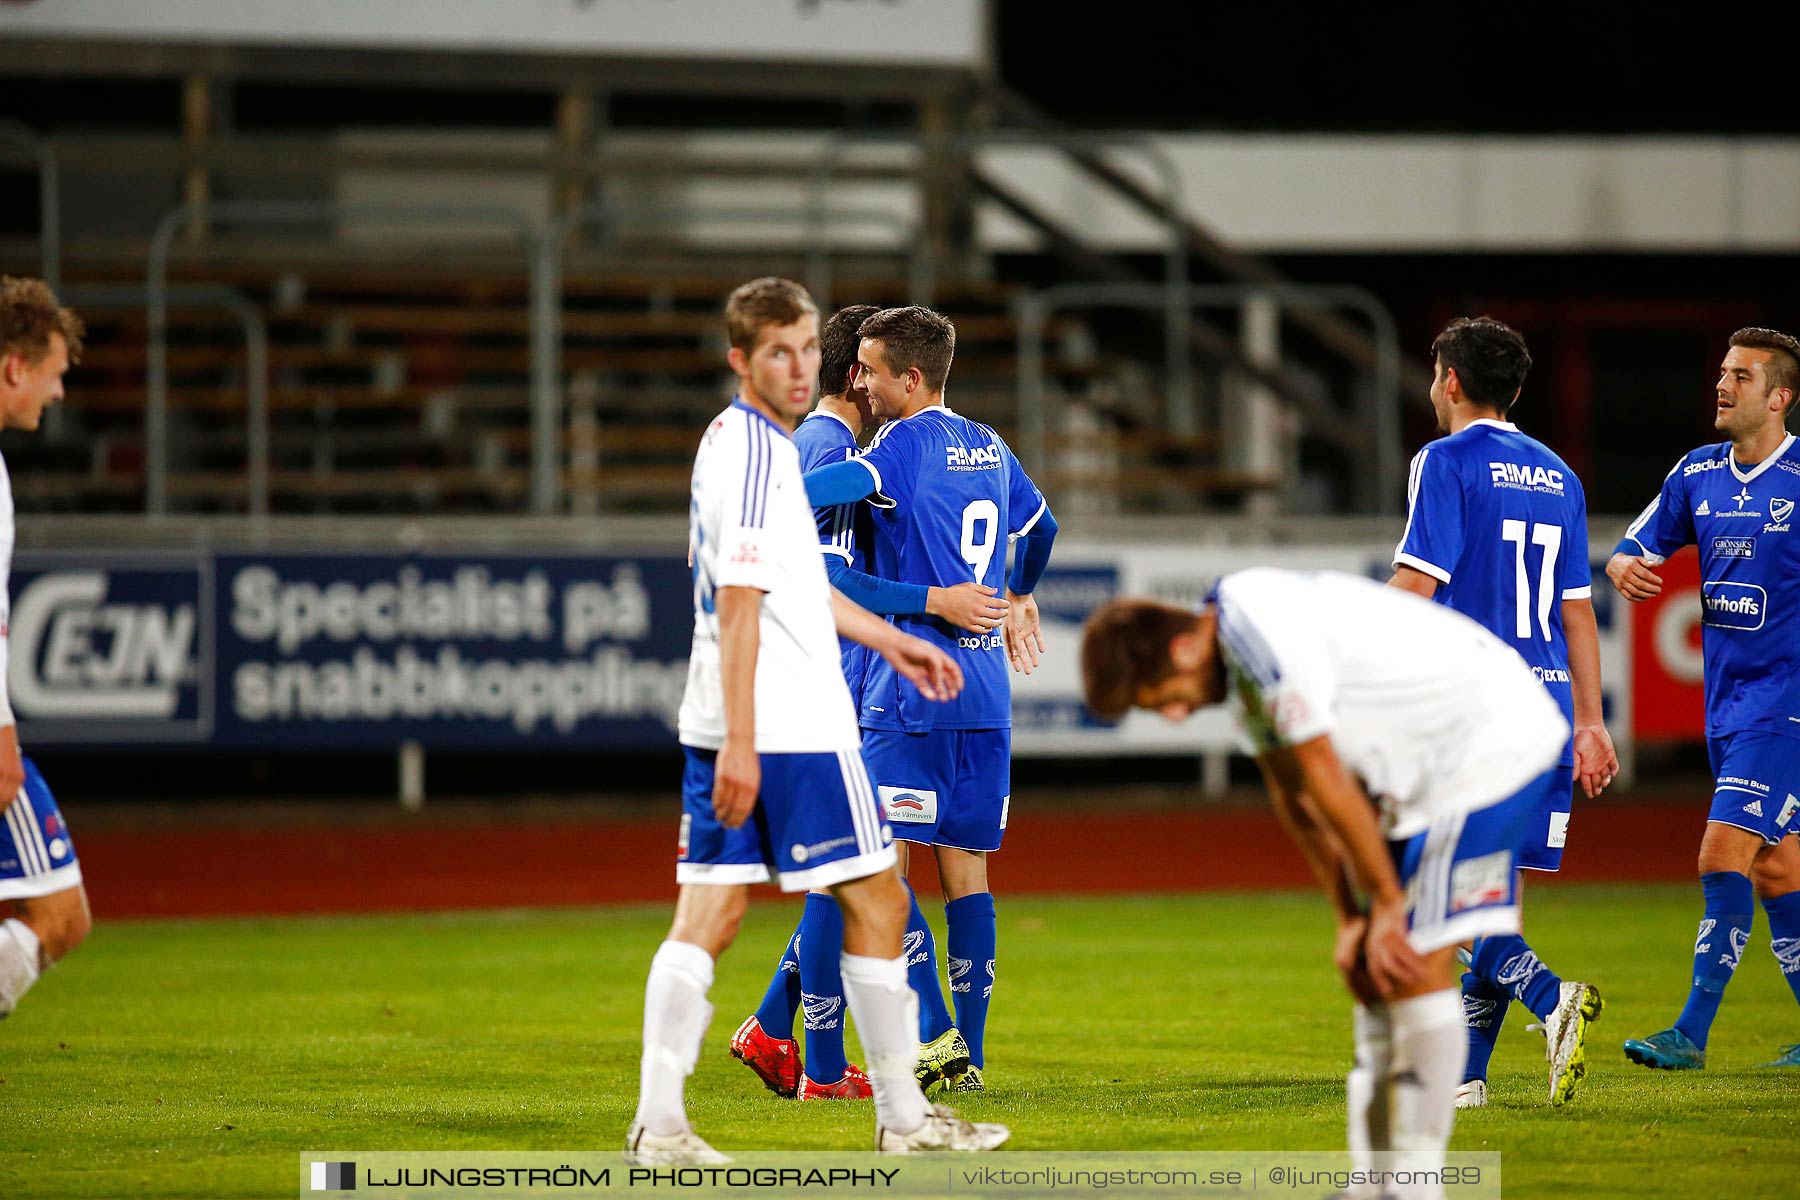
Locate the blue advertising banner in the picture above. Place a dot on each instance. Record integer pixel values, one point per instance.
(363, 650)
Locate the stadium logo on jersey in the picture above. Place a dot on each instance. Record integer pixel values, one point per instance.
(1734, 547)
(1711, 464)
(1533, 478)
(980, 458)
(1705, 510)
(909, 806)
(1733, 605)
(113, 645)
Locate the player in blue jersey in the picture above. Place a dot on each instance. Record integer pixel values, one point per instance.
(1735, 502)
(807, 979)
(1497, 530)
(950, 498)
(40, 879)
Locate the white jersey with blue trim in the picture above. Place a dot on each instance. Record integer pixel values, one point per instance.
(1741, 519)
(749, 525)
(1434, 713)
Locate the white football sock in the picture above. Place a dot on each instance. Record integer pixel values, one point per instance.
(886, 1012)
(1431, 1044)
(19, 951)
(676, 1015)
(1367, 1093)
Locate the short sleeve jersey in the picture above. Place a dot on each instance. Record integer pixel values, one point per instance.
(1741, 520)
(952, 497)
(749, 526)
(1430, 710)
(1501, 523)
(844, 529)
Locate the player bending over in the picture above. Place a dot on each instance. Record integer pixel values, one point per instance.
(1405, 749)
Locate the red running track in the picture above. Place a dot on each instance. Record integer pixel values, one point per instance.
(502, 864)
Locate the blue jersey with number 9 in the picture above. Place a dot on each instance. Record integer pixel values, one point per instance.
(1501, 523)
(952, 496)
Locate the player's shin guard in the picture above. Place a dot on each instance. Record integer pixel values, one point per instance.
(1429, 1048)
(1484, 1011)
(676, 1015)
(885, 1009)
(1506, 962)
(19, 950)
(1366, 1090)
(970, 942)
(1724, 932)
(1784, 936)
(920, 953)
(821, 942)
(782, 999)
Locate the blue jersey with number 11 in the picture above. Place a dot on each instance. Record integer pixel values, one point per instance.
(951, 498)
(1501, 523)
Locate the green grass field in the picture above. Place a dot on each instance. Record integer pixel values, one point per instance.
(199, 1058)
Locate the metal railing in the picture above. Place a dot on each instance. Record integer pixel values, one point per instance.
(1380, 484)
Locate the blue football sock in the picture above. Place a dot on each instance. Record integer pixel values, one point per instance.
(779, 1004)
(920, 952)
(1484, 1009)
(1724, 932)
(1784, 936)
(822, 987)
(1507, 962)
(970, 944)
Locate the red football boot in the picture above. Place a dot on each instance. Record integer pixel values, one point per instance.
(776, 1061)
(853, 1086)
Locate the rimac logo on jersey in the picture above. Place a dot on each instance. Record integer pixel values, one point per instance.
(1733, 605)
(114, 644)
(979, 458)
(1535, 478)
(1734, 547)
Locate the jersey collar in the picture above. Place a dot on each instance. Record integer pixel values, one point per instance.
(1750, 475)
(738, 402)
(819, 412)
(1493, 423)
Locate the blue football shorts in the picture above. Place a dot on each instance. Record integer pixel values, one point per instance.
(37, 855)
(949, 787)
(815, 823)
(1461, 871)
(1758, 778)
(1548, 829)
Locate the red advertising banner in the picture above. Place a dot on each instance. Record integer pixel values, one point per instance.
(1666, 699)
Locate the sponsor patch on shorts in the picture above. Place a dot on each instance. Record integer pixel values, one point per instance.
(1006, 807)
(1559, 831)
(909, 806)
(1481, 881)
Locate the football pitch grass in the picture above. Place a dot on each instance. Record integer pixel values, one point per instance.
(200, 1058)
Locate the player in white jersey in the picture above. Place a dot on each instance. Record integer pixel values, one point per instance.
(40, 878)
(1405, 749)
(775, 781)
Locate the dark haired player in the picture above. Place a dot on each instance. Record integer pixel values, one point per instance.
(1405, 748)
(950, 499)
(807, 981)
(1497, 530)
(40, 878)
(1734, 500)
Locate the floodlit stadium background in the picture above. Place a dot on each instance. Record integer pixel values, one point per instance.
(386, 307)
